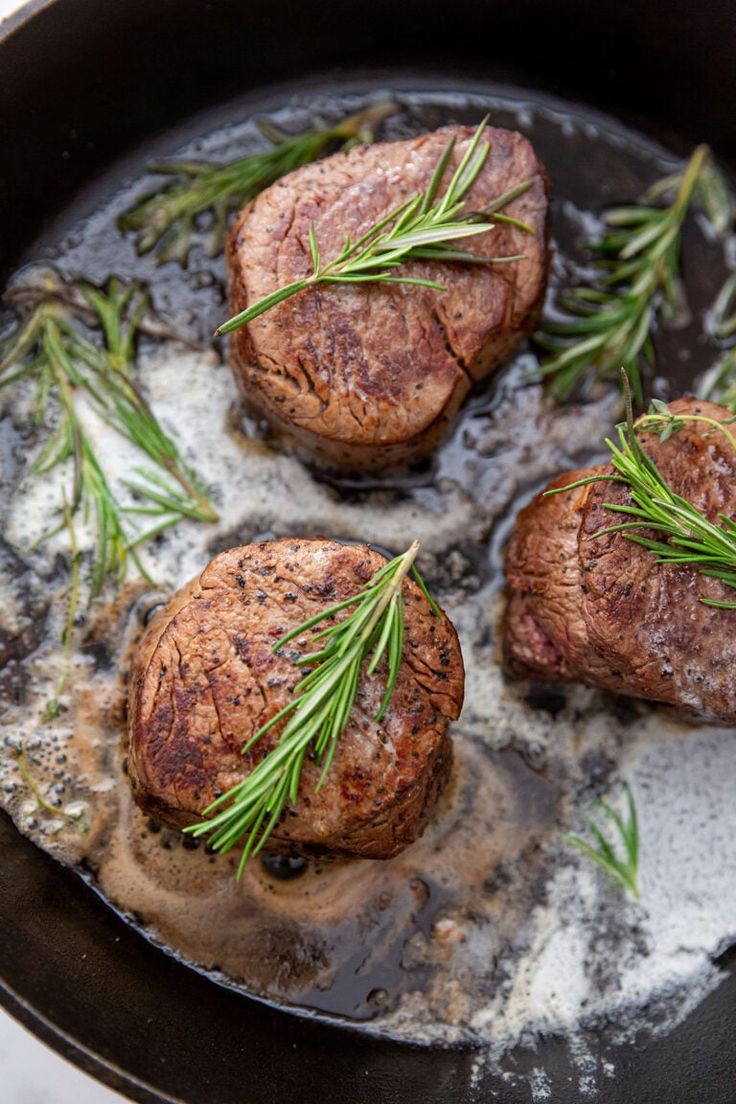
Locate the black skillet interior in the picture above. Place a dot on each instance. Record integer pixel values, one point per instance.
(80, 83)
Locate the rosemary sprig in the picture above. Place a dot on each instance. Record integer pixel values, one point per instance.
(51, 347)
(659, 419)
(53, 705)
(320, 709)
(636, 284)
(422, 228)
(165, 221)
(690, 538)
(724, 310)
(719, 382)
(618, 857)
(712, 192)
(27, 775)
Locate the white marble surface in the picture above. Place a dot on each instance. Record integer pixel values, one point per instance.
(34, 1074)
(31, 1073)
(8, 6)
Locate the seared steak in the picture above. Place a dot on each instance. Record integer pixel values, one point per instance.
(370, 375)
(205, 678)
(603, 611)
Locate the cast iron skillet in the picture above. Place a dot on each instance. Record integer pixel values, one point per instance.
(80, 82)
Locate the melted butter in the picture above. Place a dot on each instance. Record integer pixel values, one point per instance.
(476, 930)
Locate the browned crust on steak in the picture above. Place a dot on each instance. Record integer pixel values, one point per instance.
(204, 679)
(370, 376)
(603, 611)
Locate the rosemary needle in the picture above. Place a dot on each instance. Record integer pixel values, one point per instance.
(321, 707)
(690, 539)
(610, 322)
(620, 862)
(424, 227)
(165, 221)
(719, 382)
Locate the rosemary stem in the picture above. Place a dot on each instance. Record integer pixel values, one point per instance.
(690, 179)
(255, 309)
(67, 397)
(364, 122)
(73, 597)
(647, 421)
(392, 588)
(205, 509)
(32, 785)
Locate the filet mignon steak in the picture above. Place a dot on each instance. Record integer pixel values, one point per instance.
(603, 611)
(205, 678)
(369, 376)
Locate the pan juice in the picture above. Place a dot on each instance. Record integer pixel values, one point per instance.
(489, 930)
